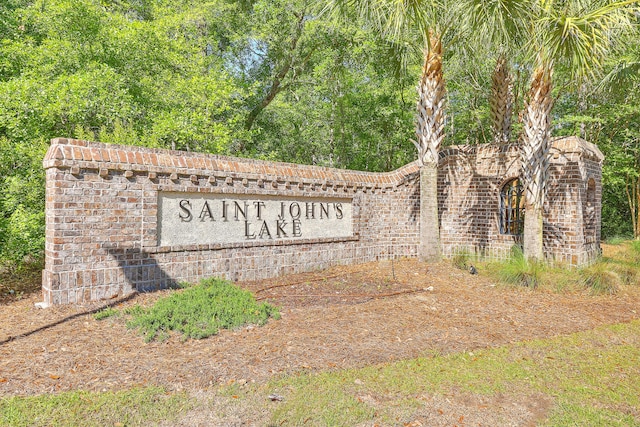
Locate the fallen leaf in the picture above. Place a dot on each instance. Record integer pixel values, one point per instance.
(3, 380)
(54, 376)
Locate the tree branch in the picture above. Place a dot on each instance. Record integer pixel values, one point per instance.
(276, 85)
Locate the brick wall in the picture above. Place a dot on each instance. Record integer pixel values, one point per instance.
(102, 218)
(102, 213)
(574, 162)
(469, 182)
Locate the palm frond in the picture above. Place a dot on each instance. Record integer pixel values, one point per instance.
(580, 33)
(624, 74)
(496, 21)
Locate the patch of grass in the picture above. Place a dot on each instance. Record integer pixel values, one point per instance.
(616, 240)
(462, 259)
(601, 278)
(201, 310)
(518, 270)
(590, 378)
(325, 399)
(620, 267)
(105, 313)
(135, 407)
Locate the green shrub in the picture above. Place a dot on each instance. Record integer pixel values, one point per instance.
(601, 277)
(105, 313)
(201, 310)
(518, 270)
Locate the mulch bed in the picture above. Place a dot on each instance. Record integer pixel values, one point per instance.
(347, 316)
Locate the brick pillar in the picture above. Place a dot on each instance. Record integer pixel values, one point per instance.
(429, 249)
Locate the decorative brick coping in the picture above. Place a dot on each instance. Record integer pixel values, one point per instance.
(76, 155)
(559, 146)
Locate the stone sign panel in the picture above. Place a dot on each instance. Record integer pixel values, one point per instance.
(196, 218)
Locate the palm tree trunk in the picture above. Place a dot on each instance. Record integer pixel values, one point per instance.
(430, 121)
(535, 162)
(430, 111)
(501, 101)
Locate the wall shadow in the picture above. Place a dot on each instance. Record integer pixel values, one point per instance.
(474, 184)
(141, 270)
(142, 273)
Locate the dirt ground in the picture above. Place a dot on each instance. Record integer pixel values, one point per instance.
(347, 316)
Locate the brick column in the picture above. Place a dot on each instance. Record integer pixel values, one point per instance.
(429, 247)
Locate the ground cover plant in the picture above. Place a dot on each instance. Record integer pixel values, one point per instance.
(199, 311)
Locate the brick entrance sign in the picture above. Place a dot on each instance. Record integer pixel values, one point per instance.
(127, 218)
(120, 219)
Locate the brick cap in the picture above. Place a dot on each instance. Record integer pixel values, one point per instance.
(65, 152)
(565, 144)
(574, 144)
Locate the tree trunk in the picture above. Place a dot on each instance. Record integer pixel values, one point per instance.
(632, 187)
(430, 109)
(533, 243)
(278, 79)
(429, 249)
(430, 121)
(535, 153)
(501, 102)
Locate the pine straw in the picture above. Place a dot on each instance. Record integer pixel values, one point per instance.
(343, 317)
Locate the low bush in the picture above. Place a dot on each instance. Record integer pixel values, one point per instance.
(601, 277)
(619, 267)
(517, 270)
(200, 311)
(105, 313)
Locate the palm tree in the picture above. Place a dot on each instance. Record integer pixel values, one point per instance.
(497, 26)
(422, 24)
(578, 33)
